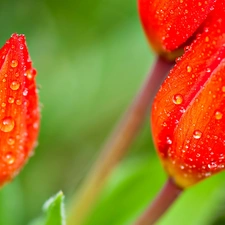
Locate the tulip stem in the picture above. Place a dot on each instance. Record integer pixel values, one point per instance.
(117, 145)
(169, 193)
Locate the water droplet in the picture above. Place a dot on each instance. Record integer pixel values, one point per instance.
(197, 134)
(168, 141)
(206, 39)
(182, 110)
(36, 125)
(18, 102)
(3, 80)
(28, 74)
(178, 59)
(223, 89)
(198, 155)
(186, 48)
(218, 115)
(25, 92)
(3, 104)
(7, 124)
(11, 100)
(11, 141)
(177, 99)
(14, 63)
(182, 167)
(213, 165)
(9, 158)
(207, 174)
(189, 69)
(208, 70)
(15, 85)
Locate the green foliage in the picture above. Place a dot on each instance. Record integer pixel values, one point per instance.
(54, 212)
(133, 186)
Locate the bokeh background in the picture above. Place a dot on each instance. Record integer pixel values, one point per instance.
(91, 57)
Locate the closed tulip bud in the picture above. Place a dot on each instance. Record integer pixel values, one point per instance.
(19, 109)
(188, 115)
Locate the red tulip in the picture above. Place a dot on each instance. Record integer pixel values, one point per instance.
(19, 112)
(188, 115)
(169, 24)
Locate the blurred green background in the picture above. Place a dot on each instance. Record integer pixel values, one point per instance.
(91, 58)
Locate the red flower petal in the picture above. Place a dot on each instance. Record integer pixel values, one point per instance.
(188, 116)
(170, 23)
(19, 111)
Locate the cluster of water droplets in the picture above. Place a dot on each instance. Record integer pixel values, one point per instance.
(8, 124)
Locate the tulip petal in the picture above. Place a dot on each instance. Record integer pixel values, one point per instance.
(19, 110)
(187, 115)
(169, 24)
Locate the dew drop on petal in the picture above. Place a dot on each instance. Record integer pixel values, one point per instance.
(36, 125)
(11, 141)
(197, 134)
(25, 92)
(28, 74)
(178, 59)
(3, 104)
(213, 165)
(11, 100)
(7, 124)
(168, 141)
(9, 158)
(18, 102)
(218, 115)
(207, 174)
(177, 99)
(182, 167)
(223, 89)
(15, 85)
(189, 69)
(14, 63)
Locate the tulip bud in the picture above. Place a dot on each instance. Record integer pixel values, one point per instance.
(188, 115)
(19, 110)
(169, 24)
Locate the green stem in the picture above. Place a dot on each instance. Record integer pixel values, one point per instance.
(117, 145)
(162, 202)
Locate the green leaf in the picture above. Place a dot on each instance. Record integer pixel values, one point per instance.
(136, 182)
(55, 210)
